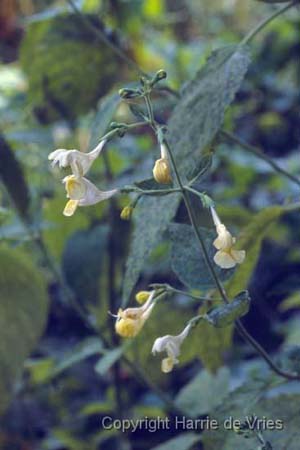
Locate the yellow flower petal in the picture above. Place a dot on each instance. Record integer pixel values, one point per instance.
(224, 260)
(167, 365)
(238, 255)
(70, 208)
(75, 188)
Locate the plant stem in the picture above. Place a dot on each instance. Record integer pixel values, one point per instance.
(255, 151)
(248, 38)
(102, 37)
(240, 327)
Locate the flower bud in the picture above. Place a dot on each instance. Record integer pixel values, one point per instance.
(126, 212)
(129, 93)
(161, 171)
(161, 75)
(142, 296)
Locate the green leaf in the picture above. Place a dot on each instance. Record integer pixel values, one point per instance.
(187, 258)
(291, 302)
(200, 112)
(110, 358)
(183, 442)
(82, 262)
(250, 240)
(67, 67)
(151, 219)
(46, 369)
(252, 399)
(104, 115)
(226, 314)
(203, 393)
(23, 313)
(196, 119)
(12, 177)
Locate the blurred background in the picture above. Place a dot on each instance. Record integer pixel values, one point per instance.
(63, 368)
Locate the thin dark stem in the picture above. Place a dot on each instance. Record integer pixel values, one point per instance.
(248, 38)
(255, 151)
(102, 37)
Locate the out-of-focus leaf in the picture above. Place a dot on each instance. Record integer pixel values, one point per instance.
(42, 371)
(82, 262)
(211, 344)
(104, 115)
(203, 393)
(55, 238)
(68, 68)
(291, 302)
(250, 399)
(274, 1)
(250, 240)
(11, 175)
(110, 358)
(192, 126)
(23, 313)
(183, 442)
(187, 259)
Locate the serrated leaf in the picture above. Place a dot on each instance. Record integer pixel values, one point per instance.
(203, 393)
(82, 262)
(200, 112)
(23, 313)
(151, 219)
(187, 258)
(183, 442)
(12, 176)
(196, 119)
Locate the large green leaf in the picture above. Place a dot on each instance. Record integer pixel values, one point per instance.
(204, 393)
(11, 175)
(218, 340)
(200, 111)
(23, 312)
(68, 69)
(196, 119)
(252, 399)
(83, 262)
(250, 240)
(187, 258)
(104, 115)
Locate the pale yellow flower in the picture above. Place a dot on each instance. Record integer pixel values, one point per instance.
(171, 345)
(226, 256)
(130, 321)
(161, 169)
(79, 162)
(83, 192)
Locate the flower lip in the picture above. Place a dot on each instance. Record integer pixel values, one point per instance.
(171, 345)
(226, 257)
(130, 321)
